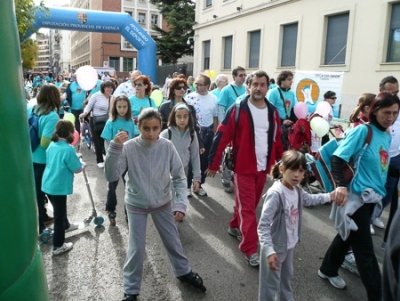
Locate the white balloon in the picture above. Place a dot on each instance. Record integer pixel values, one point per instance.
(87, 77)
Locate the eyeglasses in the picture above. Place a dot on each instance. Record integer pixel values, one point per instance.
(333, 97)
(180, 88)
(200, 84)
(138, 85)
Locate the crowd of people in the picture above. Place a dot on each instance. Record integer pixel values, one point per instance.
(251, 116)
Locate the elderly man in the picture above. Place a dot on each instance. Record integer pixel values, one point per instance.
(221, 81)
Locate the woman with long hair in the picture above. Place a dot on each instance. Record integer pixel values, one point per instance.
(47, 107)
(141, 100)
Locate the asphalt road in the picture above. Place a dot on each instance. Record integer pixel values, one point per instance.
(92, 270)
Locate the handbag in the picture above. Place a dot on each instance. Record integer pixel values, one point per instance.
(99, 122)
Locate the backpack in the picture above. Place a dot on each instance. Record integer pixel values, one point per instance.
(321, 166)
(191, 135)
(299, 136)
(33, 121)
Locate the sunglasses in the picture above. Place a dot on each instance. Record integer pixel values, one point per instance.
(138, 85)
(200, 84)
(180, 88)
(334, 97)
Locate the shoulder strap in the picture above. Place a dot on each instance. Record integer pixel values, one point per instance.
(234, 90)
(169, 134)
(150, 102)
(369, 135)
(283, 101)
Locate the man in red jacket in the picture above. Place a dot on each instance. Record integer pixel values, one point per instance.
(257, 145)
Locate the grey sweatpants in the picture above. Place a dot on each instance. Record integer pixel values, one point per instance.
(166, 228)
(276, 285)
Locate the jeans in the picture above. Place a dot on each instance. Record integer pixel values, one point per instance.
(61, 222)
(111, 203)
(38, 170)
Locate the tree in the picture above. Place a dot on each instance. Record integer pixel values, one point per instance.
(29, 53)
(25, 12)
(179, 16)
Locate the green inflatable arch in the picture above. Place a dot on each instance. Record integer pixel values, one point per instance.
(22, 274)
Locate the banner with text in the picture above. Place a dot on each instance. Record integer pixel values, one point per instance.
(310, 87)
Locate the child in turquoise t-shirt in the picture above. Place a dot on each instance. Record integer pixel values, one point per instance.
(121, 120)
(57, 183)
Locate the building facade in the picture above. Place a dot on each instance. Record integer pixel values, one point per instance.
(111, 50)
(43, 60)
(358, 37)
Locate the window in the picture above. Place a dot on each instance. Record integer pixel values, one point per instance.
(336, 39)
(114, 63)
(154, 19)
(142, 18)
(289, 44)
(206, 49)
(393, 54)
(254, 51)
(208, 3)
(228, 52)
(127, 64)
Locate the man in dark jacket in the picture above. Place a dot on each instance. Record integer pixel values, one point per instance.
(255, 135)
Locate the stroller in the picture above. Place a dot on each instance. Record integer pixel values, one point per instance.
(86, 135)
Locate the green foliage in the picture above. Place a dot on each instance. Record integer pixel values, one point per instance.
(25, 12)
(179, 16)
(29, 53)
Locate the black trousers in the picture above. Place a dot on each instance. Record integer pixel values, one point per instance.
(98, 142)
(38, 170)
(361, 242)
(61, 222)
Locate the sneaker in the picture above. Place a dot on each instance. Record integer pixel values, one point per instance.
(129, 297)
(228, 189)
(189, 193)
(378, 223)
(254, 260)
(201, 192)
(100, 165)
(194, 280)
(72, 227)
(235, 232)
(372, 229)
(350, 264)
(64, 248)
(337, 281)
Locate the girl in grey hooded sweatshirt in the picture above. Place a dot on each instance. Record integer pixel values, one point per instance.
(153, 164)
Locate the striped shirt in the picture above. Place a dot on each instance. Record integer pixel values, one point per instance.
(98, 104)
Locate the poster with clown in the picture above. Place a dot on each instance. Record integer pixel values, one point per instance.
(310, 87)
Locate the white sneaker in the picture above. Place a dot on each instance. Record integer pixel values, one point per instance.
(72, 227)
(372, 229)
(337, 281)
(64, 248)
(189, 193)
(201, 192)
(378, 223)
(100, 165)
